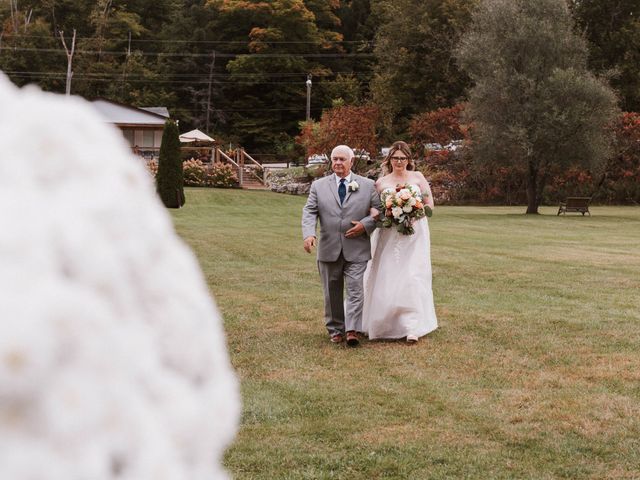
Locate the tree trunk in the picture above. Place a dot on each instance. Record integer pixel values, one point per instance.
(541, 182)
(532, 190)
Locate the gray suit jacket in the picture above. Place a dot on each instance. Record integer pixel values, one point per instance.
(324, 204)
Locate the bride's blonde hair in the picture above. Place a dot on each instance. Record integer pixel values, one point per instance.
(387, 166)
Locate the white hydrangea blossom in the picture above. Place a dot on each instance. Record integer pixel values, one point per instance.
(113, 363)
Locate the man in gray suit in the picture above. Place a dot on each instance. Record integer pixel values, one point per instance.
(342, 202)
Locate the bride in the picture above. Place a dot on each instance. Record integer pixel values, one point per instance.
(398, 301)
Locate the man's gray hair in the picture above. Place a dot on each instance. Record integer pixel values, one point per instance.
(343, 149)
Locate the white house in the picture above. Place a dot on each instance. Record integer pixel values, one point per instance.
(141, 127)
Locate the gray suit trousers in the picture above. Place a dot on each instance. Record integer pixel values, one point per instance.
(338, 316)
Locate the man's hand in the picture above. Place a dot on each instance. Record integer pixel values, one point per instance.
(355, 231)
(309, 243)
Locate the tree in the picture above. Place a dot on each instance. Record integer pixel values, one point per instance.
(620, 180)
(439, 126)
(348, 125)
(169, 178)
(534, 104)
(416, 70)
(273, 46)
(612, 29)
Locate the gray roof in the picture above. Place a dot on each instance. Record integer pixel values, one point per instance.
(157, 110)
(120, 114)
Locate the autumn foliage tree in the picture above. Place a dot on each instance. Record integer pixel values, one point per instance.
(625, 166)
(438, 126)
(355, 126)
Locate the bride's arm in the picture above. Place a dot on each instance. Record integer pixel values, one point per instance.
(425, 188)
(429, 199)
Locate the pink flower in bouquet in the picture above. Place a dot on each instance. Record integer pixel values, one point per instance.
(405, 195)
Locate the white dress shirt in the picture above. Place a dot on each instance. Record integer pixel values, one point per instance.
(347, 180)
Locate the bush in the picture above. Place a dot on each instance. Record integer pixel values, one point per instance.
(447, 172)
(456, 180)
(290, 174)
(152, 167)
(194, 173)
(169, 178)
(295, 180)
(222, 175)
(316, 171)
(616, 182)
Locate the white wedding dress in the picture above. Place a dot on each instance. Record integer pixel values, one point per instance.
(398, 300)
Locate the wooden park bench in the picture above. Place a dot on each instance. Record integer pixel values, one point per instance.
(575, 204)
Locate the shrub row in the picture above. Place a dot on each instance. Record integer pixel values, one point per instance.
(198, 174)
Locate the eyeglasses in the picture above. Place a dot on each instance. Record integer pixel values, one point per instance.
(399, 159)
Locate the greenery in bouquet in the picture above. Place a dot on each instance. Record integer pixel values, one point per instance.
(402, 206)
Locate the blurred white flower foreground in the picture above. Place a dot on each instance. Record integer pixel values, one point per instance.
(113, 363)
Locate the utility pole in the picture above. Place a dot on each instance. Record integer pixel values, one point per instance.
(69, 58)
(211, 67)
(126, 63)
(308, 97)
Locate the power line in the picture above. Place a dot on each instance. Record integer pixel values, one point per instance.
(210, 42)
(115, 78)
(196, 75)
(192, 55)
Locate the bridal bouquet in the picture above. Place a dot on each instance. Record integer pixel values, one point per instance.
(402, 207)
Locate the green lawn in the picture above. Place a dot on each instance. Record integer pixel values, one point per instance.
(533, 373)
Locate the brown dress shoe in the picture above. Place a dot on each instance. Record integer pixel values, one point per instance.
(352, 338)
(336, 338)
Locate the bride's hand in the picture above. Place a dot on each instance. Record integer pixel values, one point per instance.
(375, 213)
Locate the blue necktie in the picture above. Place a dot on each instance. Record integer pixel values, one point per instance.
(342, 190)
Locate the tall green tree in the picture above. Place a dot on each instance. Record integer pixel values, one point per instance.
(26, 51)
(169, 180)
(101, 64)
(357, 27)
(534, 104)
(416, 69)
(265, 92)
(612, 28)
(114, 68)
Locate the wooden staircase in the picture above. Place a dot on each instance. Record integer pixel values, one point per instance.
(250, 172)
(252, 178)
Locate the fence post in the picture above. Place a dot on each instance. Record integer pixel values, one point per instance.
(240, 162)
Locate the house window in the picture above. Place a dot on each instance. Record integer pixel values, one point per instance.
(128, 135)
(147, 138)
